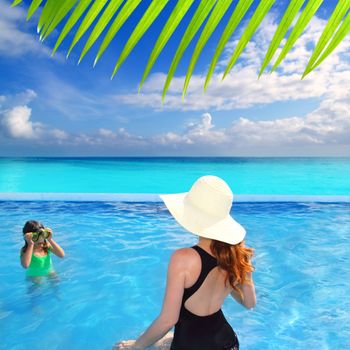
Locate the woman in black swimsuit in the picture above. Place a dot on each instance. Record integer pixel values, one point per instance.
(201, 277)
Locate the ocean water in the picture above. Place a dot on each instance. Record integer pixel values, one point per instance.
(110, 284)
(287, 176)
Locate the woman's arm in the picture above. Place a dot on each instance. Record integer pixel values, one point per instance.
(172, 302)
(56, 249)
(26, 257)
(248, 291)
(171, 305)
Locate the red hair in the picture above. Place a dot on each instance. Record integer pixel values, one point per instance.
(235, 260)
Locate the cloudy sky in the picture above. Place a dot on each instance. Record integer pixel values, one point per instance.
(50, 106)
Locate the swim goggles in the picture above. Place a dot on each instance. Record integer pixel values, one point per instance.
(44, 233)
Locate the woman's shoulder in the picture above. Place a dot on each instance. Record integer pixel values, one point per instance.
(184, 256)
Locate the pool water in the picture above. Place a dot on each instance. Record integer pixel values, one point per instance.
(111, 283)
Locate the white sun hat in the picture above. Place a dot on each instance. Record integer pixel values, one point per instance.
(205, 210)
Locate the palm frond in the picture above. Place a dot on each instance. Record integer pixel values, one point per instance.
(197, 20)
(62, 11)
(252, 26)
(236, 17)
(33, 7)
(333, 23)
(47, 14)
(102, 12)
(72, 20)
(219, 11)
(121, 18)
(154, 9)
(303, 20)
(336, 40)
(102, 23)
(287, 19)
(172, 23)
(16, 2)
(94, 11)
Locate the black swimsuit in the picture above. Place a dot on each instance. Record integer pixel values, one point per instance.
(212, 332)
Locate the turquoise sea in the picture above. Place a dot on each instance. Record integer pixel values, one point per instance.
(287, 176)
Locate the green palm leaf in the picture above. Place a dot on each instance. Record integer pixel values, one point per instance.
(47, 14)
(219, 10)
(94, 11)
(253, 24)
(147, 19)
(333, 23)
(287, 19)
(343, 30)
(74, 17)
(175, 18)
(65, 7)
(198, 18)
(105, 18)
(123, 15)
(33, 7)
(16, 2)
(87, 11)
(236, 17)
(303, 20)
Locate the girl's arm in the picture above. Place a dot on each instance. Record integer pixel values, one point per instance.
(171, 305)
(26, 257)
(56, 248)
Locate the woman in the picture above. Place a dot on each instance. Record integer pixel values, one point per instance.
(201, 277)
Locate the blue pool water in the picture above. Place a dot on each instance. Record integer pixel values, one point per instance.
(112, 280)
(287, 176)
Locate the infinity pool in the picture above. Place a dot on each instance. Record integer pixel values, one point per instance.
(111, 282)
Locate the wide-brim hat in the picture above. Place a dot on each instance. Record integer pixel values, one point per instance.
(205, 210)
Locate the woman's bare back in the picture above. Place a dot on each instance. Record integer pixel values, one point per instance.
(213, 291)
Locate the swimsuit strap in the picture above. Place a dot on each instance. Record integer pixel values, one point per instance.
(208, 263)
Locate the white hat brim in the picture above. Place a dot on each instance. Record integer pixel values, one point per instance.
(201, 224)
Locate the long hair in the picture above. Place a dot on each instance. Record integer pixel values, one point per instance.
(33, 226)
(235, 260)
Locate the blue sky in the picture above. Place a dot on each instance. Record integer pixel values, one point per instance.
(50, 106)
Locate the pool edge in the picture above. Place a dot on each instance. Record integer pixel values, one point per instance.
(154, 197)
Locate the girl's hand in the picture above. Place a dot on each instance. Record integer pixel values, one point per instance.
(47, 229)
(125, 345)
(28, 237)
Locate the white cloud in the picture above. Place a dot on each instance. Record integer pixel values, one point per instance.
(14, 41)
(16, 120)
(59, 134)
(327, 125)
(195, 132)
(17, 124)
(118, 137)
(21, 98)
(107, 133)
(104, 138)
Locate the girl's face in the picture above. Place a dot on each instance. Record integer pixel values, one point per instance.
(39, 243)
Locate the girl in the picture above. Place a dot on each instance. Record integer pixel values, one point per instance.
(35, 254)
(201, 277)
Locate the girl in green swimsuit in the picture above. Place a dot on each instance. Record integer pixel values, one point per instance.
(36, 252)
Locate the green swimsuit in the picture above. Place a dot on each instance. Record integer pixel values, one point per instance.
(40, 265)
